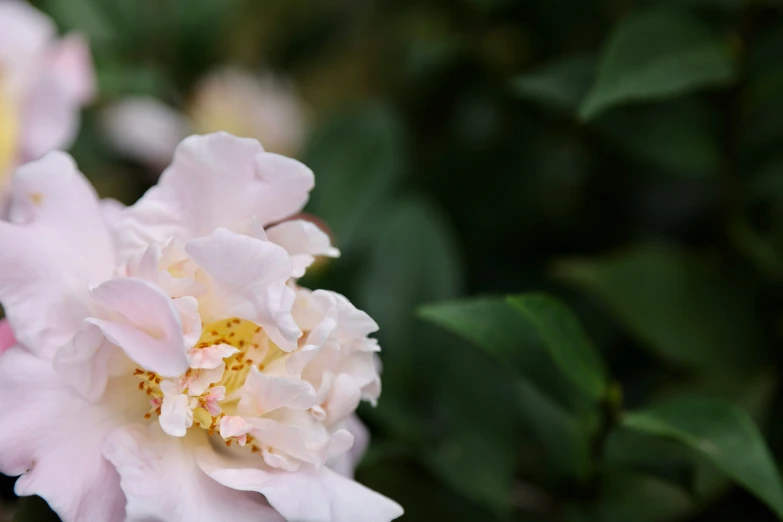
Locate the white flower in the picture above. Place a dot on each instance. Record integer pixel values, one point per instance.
(263, 107)
(43, 84)
(167, 362)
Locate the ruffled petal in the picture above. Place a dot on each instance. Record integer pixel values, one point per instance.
(304, 241)
(345, 463)
(162, 482)
(84, 362)
(312, 494)
(47, 431)
(250, 278)
(262, 394)
(148, 328)
(56, 247)
(216, 180)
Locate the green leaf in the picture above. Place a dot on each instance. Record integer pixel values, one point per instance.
(498, 328)
(476, 466)
(530, 335)
(563, 436)
(568, 345)
(657, 54)
(678, 136)
(676, 304)
(722, 433)
(358, 156)
(560, 85)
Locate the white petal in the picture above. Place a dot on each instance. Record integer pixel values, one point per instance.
(57, 247)
(216, 180)
(250, 277)
(234, 426)
(345, 463)
(303, 240)
(162, 482)
(84, 362)
(150, 331)
(47, 431)
(211, 356)
(203, 378)
(71, 63)
(263, 394)
(24, 33)
(175, 415)
(343, 400)
(312, 494)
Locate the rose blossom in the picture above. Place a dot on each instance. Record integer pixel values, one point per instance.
(168, 366)
(44, 81)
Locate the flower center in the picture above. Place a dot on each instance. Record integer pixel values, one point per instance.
(9, 130)
(223, 356)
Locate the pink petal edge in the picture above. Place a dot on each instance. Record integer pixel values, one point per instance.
(7, 338)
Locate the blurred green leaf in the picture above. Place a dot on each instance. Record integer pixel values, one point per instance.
(561, 84)
(656, 54)
(495, 326)
(568, 345)
(680, 135)
(632, 496)
(34, 509)
(564, 437)
(536, 338)
(85, 16)
(358, 156)
(416, 261)
(722, 433)
(677, 304)
(631, 451)
(477, 466)
(117, 82)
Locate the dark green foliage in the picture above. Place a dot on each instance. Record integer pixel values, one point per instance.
(565, 215)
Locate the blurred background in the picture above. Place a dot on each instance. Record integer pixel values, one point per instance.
(625, 156)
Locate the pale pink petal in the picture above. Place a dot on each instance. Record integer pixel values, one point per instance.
(217, 180)
(50, 118)
(304, 241)
(211, 356)
(343, 399)
(176, 416)
(145, 129)
(311, 494)
(250, 278)
(363, 369)
(111, 209)
(262, 394)
(234, 426)
(162, 482)
(7, 338)
(187, 308)
(56, 247)
(201, 379)
(149, 328)
(300, 440)
(71, 63)
(345, 463)
(84, 362)
(340, 442)
(24, 33)
(47, 431)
